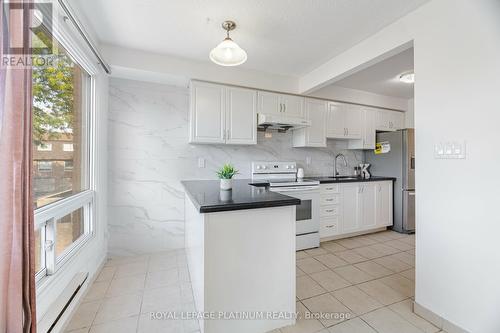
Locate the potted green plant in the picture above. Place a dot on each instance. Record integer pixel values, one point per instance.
(226, 174)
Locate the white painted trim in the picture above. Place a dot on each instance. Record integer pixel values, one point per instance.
(352, 234)
(63, 207)
(50, 317)
(437, 320)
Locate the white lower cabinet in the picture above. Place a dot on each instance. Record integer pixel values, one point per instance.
(351, 207)
(355, 207)
(384, 209)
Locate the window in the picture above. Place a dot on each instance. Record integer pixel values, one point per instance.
(44, 166)
(68, 165)
(62, 140)
(69, 229)
(67, 147)
(44, 147)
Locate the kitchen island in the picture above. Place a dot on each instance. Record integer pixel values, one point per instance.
(240, 248)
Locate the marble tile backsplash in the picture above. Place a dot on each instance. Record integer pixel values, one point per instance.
(149, 155)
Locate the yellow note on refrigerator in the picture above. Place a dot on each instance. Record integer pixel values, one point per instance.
(382, 147)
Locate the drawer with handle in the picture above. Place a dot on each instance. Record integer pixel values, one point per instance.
(329, 227)
(330, 199)
(330, 188)
(329, 211)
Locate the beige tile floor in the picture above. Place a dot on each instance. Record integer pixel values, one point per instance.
(367, 281)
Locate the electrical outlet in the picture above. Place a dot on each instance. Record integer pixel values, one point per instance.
(268, 135)
(308, 160)
(201, 162)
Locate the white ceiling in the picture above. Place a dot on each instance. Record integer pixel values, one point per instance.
(289, 37)
(383, 77)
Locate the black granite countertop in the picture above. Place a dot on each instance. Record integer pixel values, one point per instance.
(329, 179)
(208, 198)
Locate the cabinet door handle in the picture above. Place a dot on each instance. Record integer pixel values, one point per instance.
(284, 107)
(328, 199)
(281, 107)
(329, 210)
(329, 226)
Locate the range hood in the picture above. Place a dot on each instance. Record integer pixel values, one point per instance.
(280, 122)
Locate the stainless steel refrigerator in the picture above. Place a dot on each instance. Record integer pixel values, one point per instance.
(399, 162)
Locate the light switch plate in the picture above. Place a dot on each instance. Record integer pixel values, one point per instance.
(450, 150)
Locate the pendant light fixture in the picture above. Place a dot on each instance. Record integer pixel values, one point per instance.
(408, 77)
(228, 53)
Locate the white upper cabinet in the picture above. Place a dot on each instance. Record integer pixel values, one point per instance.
(241, 116)
(207, 112)
(282, 104)
(367, 140)
(335, 127)
(344, 121)
(314, 135)
(269, 103)
(221, 114)
(353, 121)
(398, 120)
(293, 106)
(389, 120)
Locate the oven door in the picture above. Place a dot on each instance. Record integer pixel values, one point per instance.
(307, 213)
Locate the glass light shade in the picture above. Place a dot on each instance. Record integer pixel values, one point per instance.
(228, 53)
(407, 77)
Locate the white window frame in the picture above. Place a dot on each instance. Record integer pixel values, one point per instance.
(46, 216)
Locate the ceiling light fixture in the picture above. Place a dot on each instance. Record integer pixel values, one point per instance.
(408, 77)
(228, 53)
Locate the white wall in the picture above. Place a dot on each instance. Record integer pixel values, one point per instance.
(149, 155)
(361, 97)
(457, 66)
(144, 66)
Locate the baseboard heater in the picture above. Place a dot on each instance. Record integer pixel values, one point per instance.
(61, 304)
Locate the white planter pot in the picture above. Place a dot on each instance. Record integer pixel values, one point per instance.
(226, 195)
(226, 184)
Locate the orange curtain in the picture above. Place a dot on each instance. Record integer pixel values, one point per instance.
(17, 285)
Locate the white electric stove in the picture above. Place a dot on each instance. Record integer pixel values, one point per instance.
(282, 178)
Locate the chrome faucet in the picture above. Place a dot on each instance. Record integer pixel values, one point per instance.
(335, 171)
